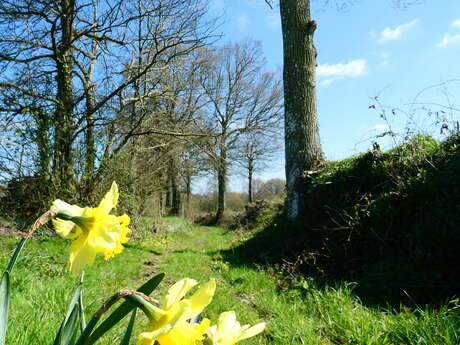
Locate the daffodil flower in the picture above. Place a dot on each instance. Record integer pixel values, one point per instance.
(94, 230)
(169, 325)
(228, 330)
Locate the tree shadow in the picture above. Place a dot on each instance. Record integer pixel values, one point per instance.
(400, 246)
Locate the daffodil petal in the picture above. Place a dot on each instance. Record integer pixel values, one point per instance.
(177, 291)
(110, 200)
(185, 334)
(147, 338)
(72, 210)
(105, 233)
(124, 220)
(202, 297)
(212, 334)
(227, 323)
(66, 229)
(252, 331)
(81, 254)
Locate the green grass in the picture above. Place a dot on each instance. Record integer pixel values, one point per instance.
(303, 314)
(42, 288)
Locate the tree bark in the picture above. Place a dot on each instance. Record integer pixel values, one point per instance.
(42, 139)
(221, 183)
(90, 157)
(188, 193)
(302, 141)
(89, 87)
(250, 173)
(63, 117)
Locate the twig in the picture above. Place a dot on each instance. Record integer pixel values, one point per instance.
(121, 294)
(42, 220)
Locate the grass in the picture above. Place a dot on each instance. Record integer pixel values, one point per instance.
(301, 314)
(42, 288)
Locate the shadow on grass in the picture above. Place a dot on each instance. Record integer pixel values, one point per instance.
(381, 281)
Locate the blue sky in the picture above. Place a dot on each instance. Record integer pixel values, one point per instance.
(370, 49)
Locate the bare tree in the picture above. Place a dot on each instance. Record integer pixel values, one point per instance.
(242, 98)
(255, 150)
(273, 188)
(81, 62)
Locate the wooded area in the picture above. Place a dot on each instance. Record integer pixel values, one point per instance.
(93, 91)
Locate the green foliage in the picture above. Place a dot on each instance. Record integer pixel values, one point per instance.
(25, 198)
(257, 214)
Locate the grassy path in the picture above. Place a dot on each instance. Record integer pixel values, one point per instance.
(300, 315)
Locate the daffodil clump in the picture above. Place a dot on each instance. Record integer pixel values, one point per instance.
(93, 229)
(172, 323)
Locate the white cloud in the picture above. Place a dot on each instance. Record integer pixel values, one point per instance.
(389, 34)
(341, 70)
(448, 39)
(354, 68)
(242, 21)
(456, 23)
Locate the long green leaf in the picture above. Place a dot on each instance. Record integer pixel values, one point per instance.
(129, 329)
(70, 328)
(87, 331)
(119, 313)
(69, 325)
(4, 305)
(81, 306)
(5, 290)
(16, 253)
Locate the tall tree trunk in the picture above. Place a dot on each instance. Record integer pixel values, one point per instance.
(42, 139)
(168, 199)
(250, 173)
(221, 183)
(302, 141)
(188, 192)
(63, 117)
(174, 187)
(90, 157)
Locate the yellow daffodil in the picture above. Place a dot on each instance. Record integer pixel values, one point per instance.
(94, 230)
(169, 325)
(228, 330)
